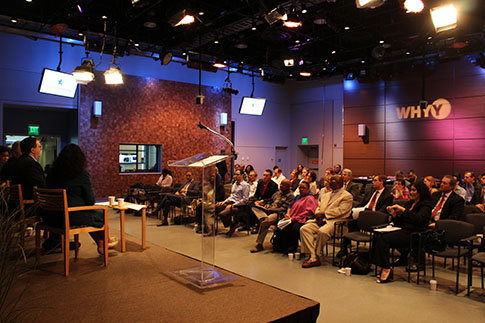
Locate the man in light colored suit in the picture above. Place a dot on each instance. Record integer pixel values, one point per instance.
(351, 187)
(332, 207)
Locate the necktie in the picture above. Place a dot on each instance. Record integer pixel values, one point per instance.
(373, 200)
(438, 207)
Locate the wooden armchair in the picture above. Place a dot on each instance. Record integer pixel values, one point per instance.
(54, 201)
(14, 199)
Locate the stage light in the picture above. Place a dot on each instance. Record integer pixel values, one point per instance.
(289, 62)
(113, 75)
(444, 18)
(181, 18)
(414, 6)
(219, 64)
(369, 3)
(84, 73)
(230, 90)
(292, 20)
(275, 15)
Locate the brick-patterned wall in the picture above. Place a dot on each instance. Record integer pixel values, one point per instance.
(146, 111)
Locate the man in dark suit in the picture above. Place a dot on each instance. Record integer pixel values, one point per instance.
(351, 187)
(376, 200)
(478, 198)
(265, 189)
(183, 196)
(446, 203)
(27, 171)
(470, 185)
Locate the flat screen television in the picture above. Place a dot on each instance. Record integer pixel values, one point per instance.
(57, 83)
(252, 106)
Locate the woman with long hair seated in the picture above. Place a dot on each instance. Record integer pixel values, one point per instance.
(413, 217)
(165, 179)
(69, 172)
(430, 182)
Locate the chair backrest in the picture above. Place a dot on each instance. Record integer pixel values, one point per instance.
(52, 200)
(455, 230)
(13, 195)
(400, 202)
(478, 221)
(470, 209)
(369, 219)
(368, 187)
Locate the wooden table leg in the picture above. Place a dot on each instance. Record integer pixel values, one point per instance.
(122, 229)
(143, 227)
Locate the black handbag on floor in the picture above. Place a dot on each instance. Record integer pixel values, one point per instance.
(435, 241)
(358, 262)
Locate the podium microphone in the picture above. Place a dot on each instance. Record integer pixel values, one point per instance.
(233, 152)
(202, 126)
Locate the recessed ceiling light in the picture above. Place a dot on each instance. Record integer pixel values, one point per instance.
(201, 13)
(381, 42)
(346, 27)
(136, 44)
(304, 11)
(216, 41)
(408, 53)
(104, 17)
(150, 24)
(362, 61)
(253, 27)
(13, 20)
(319, 21)
(306, 74)
(80, 34)
(324, 68)
(333, 52)
(297, 41)
(429, 37)
(28, 0)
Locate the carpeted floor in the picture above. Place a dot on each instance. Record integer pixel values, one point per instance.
(137, 287)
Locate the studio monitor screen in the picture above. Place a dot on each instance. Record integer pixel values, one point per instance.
(252, 106)
(57, 83)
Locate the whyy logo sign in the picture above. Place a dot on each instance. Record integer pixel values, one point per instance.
(439, 109)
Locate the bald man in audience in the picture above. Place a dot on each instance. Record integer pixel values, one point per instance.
(351, 187)
(446, 204)
(332, 207)
(478, 198)
(278, 176)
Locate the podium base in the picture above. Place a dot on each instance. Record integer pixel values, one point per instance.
(203, 276)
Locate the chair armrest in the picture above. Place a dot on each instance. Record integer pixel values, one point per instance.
(344, 221)
(469, 239)
(379, 226)
(87, 207)
(29, 201)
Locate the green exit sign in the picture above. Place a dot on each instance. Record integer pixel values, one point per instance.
(33, 130)
(304, 141)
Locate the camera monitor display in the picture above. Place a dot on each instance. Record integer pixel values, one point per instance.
(252, 106)
(57, 83)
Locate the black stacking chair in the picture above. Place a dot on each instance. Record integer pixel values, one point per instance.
(480, 259)
(457, 234)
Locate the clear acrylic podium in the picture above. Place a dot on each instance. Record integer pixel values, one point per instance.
(205, 275)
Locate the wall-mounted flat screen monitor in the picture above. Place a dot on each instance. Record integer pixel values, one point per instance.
(57, 83)
(252, 106)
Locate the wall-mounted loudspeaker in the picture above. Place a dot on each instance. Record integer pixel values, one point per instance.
(362, 130)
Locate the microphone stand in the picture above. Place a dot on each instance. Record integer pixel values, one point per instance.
(233, 152)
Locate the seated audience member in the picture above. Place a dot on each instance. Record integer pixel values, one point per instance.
(302, 208)
(470, 185)
(222, 167)
(265, 189)
(337, 169)
(326, 186)
(228, 209)
(183, 196)
(310, 178)
(430, 182)
(4, 156)
(69, 172)
(304, 173)
(321, 181)
(271, 213)
(300, 170)
(247, 171)
(400, 175)
(210, 199)
(458, 189)
(27, 171)
(446, 204)
(6, 173)
(399, 190)
(278, 176)
(376, 200)
(350, 186)
(413, 217)
(412, 178)
(478, 198)
(166, 179)
(295, 181)
(332, 207)
(252, 182)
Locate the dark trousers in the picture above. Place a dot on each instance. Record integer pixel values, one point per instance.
(230, 216)
(384, 242)
(289, 237)
(167, 201)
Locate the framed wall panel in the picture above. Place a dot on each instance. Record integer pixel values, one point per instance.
(364, 114)
(373, 150)
(420, 150)
(420, 130)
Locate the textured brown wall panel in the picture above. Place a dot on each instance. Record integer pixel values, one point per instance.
(366, 94)
(469, 107)
(420, 130)
(470, 149)
(420, 150)
(470, 128)
(146, 111)
(436, 168)
(373, 150)
(365, 167)
(364, 114)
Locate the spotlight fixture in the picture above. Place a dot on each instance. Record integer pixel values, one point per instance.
(228, 85)
(369, 3)
(289, 62)
(181, 18)
(84, 73)
(305, 74)
(413, 6)
(292, 20)
(219, 64)
(274, 15)
(444, 17)
(113, 75)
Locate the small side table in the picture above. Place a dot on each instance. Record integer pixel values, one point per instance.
(122, 210)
